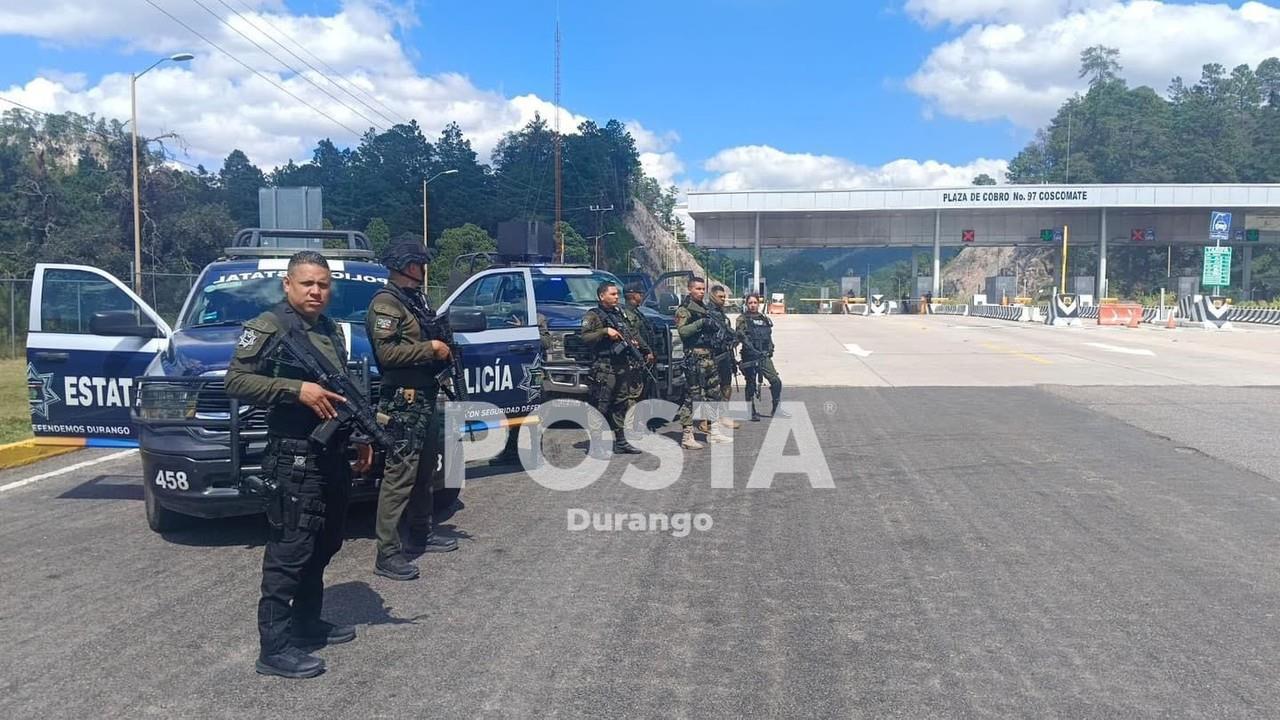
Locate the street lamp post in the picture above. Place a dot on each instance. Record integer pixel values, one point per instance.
(137, 211)
(426, 228)
(596, 240)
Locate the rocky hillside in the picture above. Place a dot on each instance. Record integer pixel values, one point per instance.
(967, 273)
(660, 251)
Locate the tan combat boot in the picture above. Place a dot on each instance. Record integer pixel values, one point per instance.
(687, 442)
(717, 435)
(730, 422)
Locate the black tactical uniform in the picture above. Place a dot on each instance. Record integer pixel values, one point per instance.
(756, 332)
(314, 487)
(640, 325)
(725, 364)
(406, 359)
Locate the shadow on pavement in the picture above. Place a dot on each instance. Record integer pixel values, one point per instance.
(358, 604)
(106, 487)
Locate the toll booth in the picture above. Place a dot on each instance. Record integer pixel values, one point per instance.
(1001, 289)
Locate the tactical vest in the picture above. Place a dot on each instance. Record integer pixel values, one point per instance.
(293, 419)
(698, 312)
(421, 376)
(602, 350)
(759, 332)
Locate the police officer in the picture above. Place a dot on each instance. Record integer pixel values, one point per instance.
(756, 331)
(409, 360)
(702, 375)
(640, 326)
(615, 379)
(634, 296)
(314, 482)
(725, 367)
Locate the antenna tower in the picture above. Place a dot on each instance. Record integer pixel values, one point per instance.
(559, 179)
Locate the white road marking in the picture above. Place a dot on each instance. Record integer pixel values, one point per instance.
(854, 349)
(1126, 351)
(63, 471)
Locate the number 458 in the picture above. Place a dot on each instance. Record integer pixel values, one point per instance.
(173, 480)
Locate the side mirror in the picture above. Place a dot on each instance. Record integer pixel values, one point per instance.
(467, 320)
(122, 323)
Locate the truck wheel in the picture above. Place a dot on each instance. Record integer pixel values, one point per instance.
(160, 519)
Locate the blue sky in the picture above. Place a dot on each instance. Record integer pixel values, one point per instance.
(721, 93)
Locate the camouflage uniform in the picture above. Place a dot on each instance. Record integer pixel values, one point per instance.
(409, 387)
(702, 375)
(616, 382)
(756, 330)
(314, 482)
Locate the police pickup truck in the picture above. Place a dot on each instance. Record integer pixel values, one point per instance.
(562, 294)
(104, 369)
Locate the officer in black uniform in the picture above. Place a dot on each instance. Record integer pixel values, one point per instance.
(313, 482)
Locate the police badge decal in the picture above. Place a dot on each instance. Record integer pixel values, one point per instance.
(247, 338)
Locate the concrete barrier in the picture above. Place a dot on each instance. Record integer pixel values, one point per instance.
(1015, 313)
(1212, 311)
(1064, 310)
(947, 309)
(1264, 316)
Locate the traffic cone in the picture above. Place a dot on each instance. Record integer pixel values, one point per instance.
(1173, 319)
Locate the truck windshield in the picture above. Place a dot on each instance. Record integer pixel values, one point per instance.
(570, 289)
(227, 298)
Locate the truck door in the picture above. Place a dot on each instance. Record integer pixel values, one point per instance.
(89, 337)
(503, 363)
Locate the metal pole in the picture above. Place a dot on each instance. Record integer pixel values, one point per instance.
(1102, 258)
(137, 213)
(13, 322)
(426, 232)
(1246, 271)
(937, 253)
(1066, 234)
(756, 258)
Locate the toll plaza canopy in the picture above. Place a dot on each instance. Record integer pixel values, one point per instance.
(993, 215)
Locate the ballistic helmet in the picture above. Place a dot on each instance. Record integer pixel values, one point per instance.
(404, 253)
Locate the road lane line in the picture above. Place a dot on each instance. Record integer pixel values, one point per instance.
(1118, 349)
(1011, 351)
(63, 471)
(854, 349)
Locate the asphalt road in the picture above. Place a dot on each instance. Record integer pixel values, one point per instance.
(986, 551)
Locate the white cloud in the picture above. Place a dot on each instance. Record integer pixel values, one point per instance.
(216, 105)
(1024, 64)
(767, 168)
(958, 12)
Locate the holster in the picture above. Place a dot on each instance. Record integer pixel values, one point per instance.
(293, 463)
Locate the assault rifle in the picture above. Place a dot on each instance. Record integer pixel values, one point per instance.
(752, 358)
(629, 345)
(355, 414)
(721, 335)
(436, 327)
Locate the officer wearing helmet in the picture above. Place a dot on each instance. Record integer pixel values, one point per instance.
(409, 361)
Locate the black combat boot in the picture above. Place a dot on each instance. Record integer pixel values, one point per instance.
(755, 416)
(430, 543)
(777, 398)
(310, 633)
(395, 567)
(621, 446)
(290, 663)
